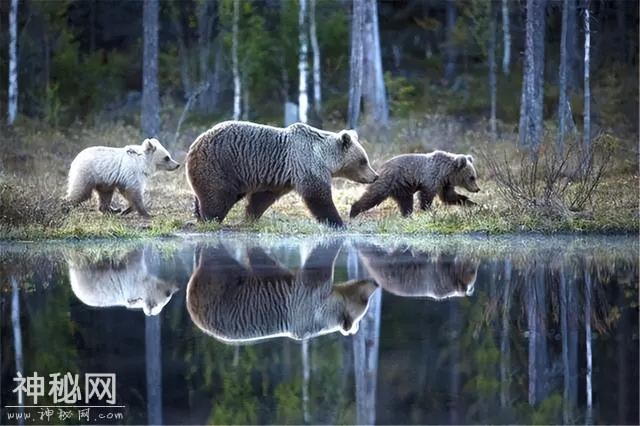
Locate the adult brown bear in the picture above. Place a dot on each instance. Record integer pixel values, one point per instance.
(236, 159)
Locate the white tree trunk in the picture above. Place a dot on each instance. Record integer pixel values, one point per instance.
(13, 62)
(305, 379)
(366, 344)
(531, 111)
(381, 109)
(356, 63)
(150, 92)
(506, 33)
(153, 358)
(587, 338)
(237, 89)
(587, 87)
(303, 98)
(562, 86)
(374, 92)
(317, 87)
(17, 333)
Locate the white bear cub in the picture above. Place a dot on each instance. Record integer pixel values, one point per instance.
(127, 169)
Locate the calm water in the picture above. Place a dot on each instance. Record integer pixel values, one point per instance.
(242, 329)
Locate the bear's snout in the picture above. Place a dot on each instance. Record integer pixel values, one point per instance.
(371, 176)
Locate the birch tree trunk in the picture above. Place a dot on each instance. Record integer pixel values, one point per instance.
(304, 348)
(17, 333)
(506, 34)
(303, 98)
(531, 111)
(375, 97)
(153, 358)
(12, 109)
(492, 67)
(588, 350)
(150, 93)
(355, 63)
(587, 88)
(317, 85)
(366, 343)
(573, 57)
(562, 97)
(234, 60)
(505, 348)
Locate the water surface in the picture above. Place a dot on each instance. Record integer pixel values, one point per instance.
(253, 329)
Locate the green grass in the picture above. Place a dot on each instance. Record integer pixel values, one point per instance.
(290, 217)
(33, 183)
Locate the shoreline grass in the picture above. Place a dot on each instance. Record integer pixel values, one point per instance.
(35, 164)
(289, 217)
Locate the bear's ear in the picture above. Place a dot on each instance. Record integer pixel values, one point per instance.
(148, 146)
(345, 139)
(347, 324)
(470, 159)
(460, 162)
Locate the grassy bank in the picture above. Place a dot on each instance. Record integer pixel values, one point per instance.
(32, 187)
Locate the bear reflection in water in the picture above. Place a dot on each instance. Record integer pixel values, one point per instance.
(238, 303)
(118, 281)
(409, 272)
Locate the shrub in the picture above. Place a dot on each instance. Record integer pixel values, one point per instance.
(30, 203)
(553, 183)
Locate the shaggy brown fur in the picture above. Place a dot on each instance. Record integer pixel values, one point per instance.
(237, 159)
(437, 173)
(408, 272)
(240, 303)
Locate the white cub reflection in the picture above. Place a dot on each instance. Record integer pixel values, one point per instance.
(239, 303)
(122, 280)
(410, 272)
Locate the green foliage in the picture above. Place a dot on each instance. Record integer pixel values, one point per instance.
(52, 105)
(472, 28)
(402, 95)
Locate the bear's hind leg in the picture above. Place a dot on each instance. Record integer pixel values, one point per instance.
(405, 203)
(135, 202)
(105, 197)
(78, 195)
(216, 205)
(371, 198)
(259, 202)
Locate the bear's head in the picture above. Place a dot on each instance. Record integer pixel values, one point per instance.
(157, 294)
(354, 162)
(464, 174)
(158, 155)
(348, 303)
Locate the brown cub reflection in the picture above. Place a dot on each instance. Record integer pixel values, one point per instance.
(236, 303)
(409, 272)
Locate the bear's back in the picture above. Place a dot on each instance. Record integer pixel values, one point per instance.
(252, 156)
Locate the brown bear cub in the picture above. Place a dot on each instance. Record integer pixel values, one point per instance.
(437, 173)
(235, 159)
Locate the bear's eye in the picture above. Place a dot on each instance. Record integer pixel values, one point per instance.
(472, 178)
(166, 158)
(363, 162)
